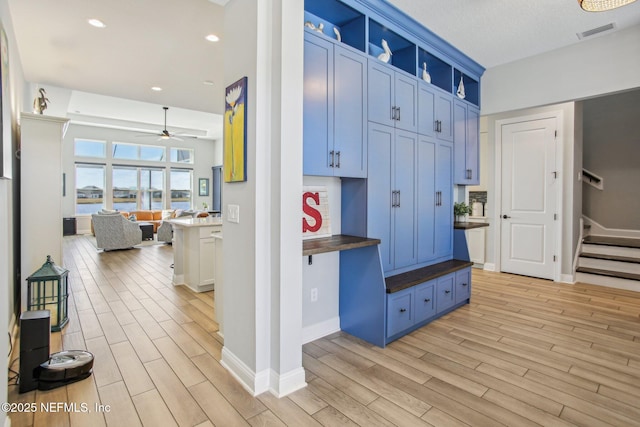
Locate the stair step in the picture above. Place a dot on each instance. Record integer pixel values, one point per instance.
(612, 241)
(618, 258)
(609, 273)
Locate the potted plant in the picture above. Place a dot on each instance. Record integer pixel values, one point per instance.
(461, 210)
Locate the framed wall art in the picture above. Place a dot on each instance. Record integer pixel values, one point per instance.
(203, 187)
(235, 132)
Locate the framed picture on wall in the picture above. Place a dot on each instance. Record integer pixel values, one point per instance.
(235, 132)
(203, 187)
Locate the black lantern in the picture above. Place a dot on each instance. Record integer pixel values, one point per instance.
(48, 289)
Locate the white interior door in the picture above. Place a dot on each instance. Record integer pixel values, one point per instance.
(529, 185)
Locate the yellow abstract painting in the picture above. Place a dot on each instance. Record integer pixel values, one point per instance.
(235, 132)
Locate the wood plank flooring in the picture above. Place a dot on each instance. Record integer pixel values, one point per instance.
(525, 352)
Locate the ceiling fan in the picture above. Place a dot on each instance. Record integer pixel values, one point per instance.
(164, 133)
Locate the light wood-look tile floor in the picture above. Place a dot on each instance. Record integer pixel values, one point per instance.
(524, 352)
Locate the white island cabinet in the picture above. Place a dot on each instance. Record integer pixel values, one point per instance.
(194, 252)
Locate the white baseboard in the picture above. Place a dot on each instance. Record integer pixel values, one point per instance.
(319, 330)
(568, 278)
(489, 266)
(282, 385)
(266, 380)
(254, 383)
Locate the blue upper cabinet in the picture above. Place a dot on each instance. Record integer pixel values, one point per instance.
(466, 144)
(435, 112)
(393, 97)
(318, 106)
(391, 48)
(335, 109)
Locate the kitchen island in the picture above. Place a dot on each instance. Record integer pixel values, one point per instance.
(194, 252)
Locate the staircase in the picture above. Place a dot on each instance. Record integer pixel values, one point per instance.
(610, 261)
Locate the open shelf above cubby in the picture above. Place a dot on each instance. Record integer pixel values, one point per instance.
(349, 23)
(471, 87)
(403, 51)
(441, 73)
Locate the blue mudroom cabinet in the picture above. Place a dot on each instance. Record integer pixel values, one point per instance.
(399, 130)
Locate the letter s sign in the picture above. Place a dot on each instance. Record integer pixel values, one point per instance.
(312, 212)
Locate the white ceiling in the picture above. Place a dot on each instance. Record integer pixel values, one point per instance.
(161, 43)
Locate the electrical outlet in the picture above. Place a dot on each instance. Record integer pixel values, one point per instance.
(314, 294)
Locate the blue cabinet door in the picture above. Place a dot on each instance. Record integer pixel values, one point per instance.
(460, 171)
(444, 116)
(444, 193)
(404, 212)
(463, 285)
(424, 301)
(379, 190)
(426, 110)
(466, 144)
(317, 106)
(399, 311)
(426, 198)
(381, 96)
(406, 101)
(350, 109)
(445, 289)
(473, 145)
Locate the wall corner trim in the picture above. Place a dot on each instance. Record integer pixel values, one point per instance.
(254, 383)
(282, 385)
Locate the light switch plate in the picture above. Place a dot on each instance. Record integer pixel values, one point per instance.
(233, 213)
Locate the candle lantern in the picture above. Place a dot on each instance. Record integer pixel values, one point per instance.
(48, 289)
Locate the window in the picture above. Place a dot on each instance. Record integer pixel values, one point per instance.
(124, 151)
(88, 148)
(181, 155)
(89, 188)
(181, 184)
(125, 188)
(152, 188)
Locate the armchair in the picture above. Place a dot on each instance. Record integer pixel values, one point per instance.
(165, 232)
(115, 232)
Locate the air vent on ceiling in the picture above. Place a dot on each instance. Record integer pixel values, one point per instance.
(592, 32)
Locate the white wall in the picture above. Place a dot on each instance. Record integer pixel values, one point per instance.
(262, 315)
(207, 154)
(14, 101)
(604, 64)
(321, 317)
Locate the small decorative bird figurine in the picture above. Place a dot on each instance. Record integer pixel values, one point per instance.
(319, 28)
(337, 33)
(425, 74)
(40, 103)
(386, 55)
(460, 91)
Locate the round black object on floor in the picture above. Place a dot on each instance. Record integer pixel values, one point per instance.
(64, 367)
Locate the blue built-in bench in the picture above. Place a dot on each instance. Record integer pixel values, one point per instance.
(382, 310)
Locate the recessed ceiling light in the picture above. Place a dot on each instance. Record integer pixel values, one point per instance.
(212, 38)
(207, 83)
(156, 88)
(96, 23)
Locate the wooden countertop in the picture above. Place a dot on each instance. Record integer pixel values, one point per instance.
(339, 242)
(469, 225)
(410, 278)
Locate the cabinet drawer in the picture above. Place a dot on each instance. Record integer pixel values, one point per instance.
(445, 292)
(425, 306)
(206, 232)
(463, 285)
(399, 312)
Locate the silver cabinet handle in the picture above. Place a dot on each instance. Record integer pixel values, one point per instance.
(393, 113)
(338, 161)
(331, 153)
(398, 113)
(398, 198)
(402, 310)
